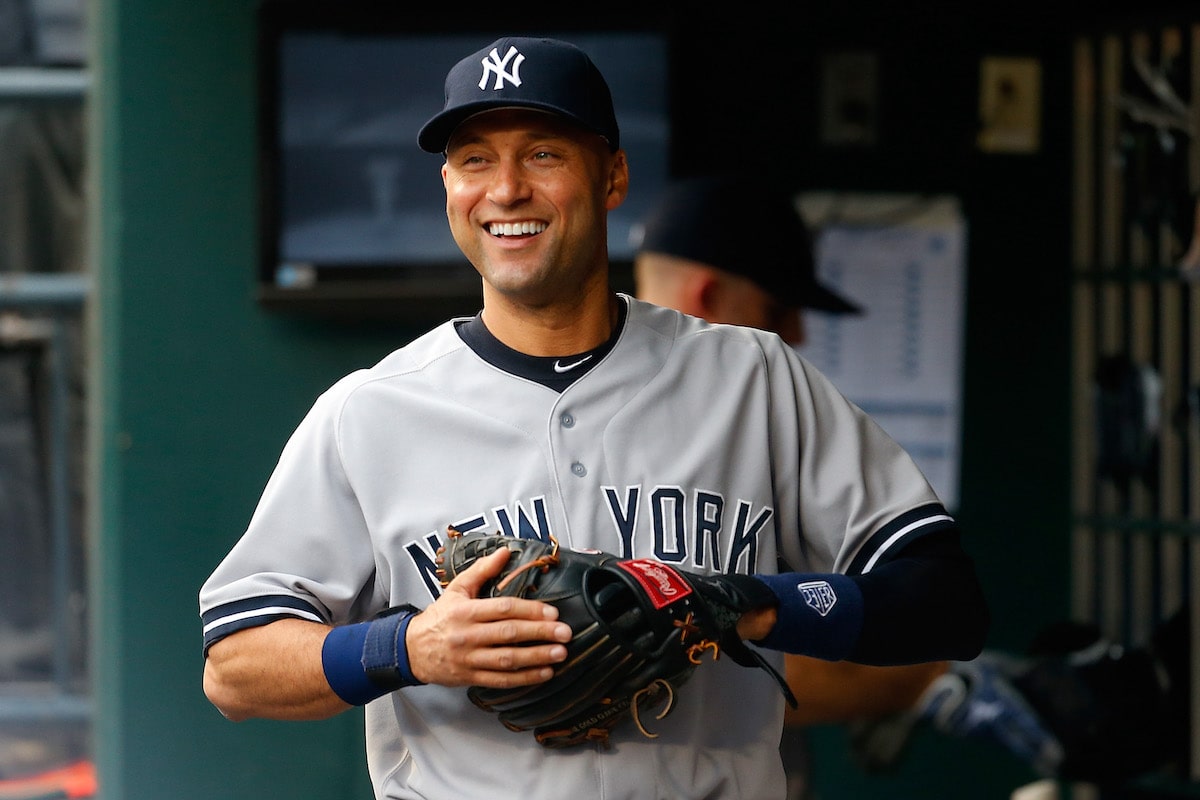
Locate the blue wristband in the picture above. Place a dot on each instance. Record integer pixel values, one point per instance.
(819, 615)
(369, 659)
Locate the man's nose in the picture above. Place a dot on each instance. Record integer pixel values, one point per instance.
(509, 183)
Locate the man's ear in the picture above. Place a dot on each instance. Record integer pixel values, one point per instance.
(704, 293)
(618, 181)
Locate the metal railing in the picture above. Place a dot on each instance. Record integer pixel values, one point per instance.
(56, 301)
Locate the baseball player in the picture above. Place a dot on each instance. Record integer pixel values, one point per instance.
(566, 410)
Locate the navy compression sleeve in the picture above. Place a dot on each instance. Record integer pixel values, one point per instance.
(924, 603)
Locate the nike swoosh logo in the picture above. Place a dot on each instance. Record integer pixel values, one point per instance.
(560, 367)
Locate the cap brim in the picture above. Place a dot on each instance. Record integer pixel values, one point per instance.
(819, 298)
(435, 135)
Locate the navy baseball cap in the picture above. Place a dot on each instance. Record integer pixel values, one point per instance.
(745, 226)
(545, 74)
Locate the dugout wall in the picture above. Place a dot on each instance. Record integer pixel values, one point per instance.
(195, 387)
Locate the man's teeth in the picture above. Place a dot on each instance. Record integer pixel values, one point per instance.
(515, 228)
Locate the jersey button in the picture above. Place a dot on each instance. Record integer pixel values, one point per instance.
(567, 420)
(579, 469)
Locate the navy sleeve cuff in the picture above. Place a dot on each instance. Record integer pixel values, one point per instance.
(819, 615)
(368, 660)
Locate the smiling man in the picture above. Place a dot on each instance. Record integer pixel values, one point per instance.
(565, 411)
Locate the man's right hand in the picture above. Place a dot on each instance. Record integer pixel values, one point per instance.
(462, 639)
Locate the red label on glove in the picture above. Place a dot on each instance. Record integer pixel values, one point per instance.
(661, 584)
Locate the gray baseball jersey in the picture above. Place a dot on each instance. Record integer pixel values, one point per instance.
(712, 447)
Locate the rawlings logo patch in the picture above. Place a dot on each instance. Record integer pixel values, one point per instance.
(818, 595)
(661, 584)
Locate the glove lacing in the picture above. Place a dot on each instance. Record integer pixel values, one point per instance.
(648, 693)
(695, 651)
(543, 563)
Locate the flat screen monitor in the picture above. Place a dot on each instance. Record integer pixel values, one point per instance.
(353, 211)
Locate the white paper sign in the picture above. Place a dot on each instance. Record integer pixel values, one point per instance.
(901, 360)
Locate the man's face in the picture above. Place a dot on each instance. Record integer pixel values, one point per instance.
(527, 198)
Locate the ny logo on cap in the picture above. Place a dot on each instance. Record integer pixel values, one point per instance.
(493, 63)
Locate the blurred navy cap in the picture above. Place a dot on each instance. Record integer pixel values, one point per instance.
(745, 226)
(545, 74)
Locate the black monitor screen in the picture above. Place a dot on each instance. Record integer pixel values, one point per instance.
(349, 199)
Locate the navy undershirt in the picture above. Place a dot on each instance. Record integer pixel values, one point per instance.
(553, 372)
